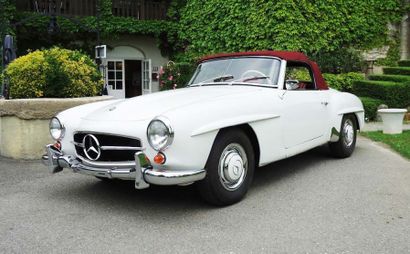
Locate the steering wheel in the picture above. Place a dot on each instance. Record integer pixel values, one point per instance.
(245, 74)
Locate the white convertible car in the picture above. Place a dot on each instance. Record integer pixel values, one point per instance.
(239, 111)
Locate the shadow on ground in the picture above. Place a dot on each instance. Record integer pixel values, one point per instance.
(123, 196)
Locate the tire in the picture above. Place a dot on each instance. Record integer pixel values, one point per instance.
(347, 140)
(224, 186)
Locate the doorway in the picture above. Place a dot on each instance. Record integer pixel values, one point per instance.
(133, 78)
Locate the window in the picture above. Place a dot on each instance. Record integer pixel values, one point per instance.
(299, 77)
(115, 77)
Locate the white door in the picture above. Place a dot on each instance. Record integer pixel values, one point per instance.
(146, 76)
(115, 78)
(304, 117)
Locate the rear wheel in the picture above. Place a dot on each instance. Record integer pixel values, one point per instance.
(347, 139)
(230, 169)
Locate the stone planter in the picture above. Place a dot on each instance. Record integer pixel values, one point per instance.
(24, 124)
(392, 120)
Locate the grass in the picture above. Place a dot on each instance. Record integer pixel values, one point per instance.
(398, 142)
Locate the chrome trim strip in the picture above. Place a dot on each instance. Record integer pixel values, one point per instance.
(122, 148)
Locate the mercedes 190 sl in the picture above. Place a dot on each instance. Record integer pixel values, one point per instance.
(240, 111)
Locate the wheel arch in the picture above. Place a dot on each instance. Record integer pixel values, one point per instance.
(250, 133)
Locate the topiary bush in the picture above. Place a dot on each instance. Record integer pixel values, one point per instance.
(53, 73)
(343, 82)
(395, 95)
(175, 75)
(370, 107)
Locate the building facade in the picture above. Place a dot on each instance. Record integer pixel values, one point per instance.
(132, 62)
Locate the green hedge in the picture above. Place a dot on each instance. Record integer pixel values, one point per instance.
(395, 95)
(392, 78)
(342, 82)
(396, 70)
(370, 107)
(404, 63)
(53, 73)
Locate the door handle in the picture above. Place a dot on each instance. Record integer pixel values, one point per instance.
(325, 103)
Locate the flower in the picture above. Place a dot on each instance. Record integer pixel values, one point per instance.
(170, 78)
(175, 86)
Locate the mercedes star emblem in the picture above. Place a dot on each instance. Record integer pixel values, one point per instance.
(91, 147)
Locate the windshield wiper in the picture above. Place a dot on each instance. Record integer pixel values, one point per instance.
(216, 79)
(252, 78)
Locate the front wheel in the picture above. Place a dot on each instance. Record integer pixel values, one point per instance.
(230, 169)
(347, 139)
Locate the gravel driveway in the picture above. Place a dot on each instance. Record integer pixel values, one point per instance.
(310, 203)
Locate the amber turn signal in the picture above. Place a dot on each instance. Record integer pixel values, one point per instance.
(57, 145)
(160, 158)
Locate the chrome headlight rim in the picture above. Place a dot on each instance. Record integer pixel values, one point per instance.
(61, 128)
(170, 138)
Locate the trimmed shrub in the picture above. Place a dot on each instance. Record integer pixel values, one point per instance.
(395, 95)
(396, 70)
(392, 78)
(342, 82)
(175, 75)
(404, 63)
(370, 107)
(53, 73)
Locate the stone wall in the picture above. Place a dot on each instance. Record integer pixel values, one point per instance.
(24, 124)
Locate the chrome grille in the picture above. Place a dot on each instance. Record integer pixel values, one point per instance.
(112, 147)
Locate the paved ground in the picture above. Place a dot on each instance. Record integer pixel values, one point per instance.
(308, 204)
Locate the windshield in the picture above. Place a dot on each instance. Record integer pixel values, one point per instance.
(249, 70)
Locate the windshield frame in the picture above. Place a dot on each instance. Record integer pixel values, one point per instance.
(273, 84)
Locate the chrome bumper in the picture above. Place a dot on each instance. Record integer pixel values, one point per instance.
(142, 172)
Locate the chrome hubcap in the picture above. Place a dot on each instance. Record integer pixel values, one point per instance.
(348, 132)
(233, 166)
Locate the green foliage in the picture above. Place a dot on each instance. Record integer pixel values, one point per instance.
(396, 70)
(395, 95)
(109, 26)
(398, 142)
(393, 54)
(392, 78)
(175, 75)
(309, 26)
(404, 63)
(55, 72)
(370, 107)
(343, 82)
(341, 60)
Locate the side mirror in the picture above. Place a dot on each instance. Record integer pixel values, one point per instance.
(292, 84)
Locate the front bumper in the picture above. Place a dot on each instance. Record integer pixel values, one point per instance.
(142, 172)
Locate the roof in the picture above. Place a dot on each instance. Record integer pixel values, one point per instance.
(285, 55)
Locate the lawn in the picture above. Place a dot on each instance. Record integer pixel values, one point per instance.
(398, 142)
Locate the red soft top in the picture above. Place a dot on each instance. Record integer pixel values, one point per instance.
(285, 55)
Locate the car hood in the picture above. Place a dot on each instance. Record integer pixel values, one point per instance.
(148, 106)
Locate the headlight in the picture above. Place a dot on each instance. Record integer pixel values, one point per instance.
(160, 134)
(56, 129)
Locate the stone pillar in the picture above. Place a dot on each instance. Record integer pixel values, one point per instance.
(404, 38)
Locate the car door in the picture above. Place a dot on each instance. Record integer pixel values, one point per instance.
(305, 109)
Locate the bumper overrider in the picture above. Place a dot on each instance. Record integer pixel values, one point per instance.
(142, 172)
